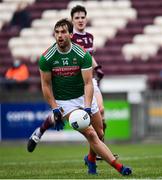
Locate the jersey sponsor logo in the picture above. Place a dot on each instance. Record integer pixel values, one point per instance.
(65, 71)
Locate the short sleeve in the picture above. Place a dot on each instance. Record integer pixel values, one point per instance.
(87, 61)
(44, 64)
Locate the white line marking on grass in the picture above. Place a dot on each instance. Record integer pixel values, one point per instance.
(141, 157)
(76, 160)
(42, 162)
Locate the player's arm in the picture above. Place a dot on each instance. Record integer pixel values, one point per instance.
(94, 63)
(86, 70)
(88, 86)
(46, 83)
(97, 69)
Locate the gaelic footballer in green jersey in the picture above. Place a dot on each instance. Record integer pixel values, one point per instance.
(67, 81)
(66, 78)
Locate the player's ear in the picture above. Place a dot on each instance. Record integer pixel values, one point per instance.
(86, 21)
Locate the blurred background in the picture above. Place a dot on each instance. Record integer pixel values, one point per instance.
(128, 45)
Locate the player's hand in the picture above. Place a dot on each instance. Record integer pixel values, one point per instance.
(98, 73)
(59, 124)
(88, 110)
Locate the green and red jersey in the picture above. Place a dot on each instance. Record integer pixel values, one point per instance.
(67, 81)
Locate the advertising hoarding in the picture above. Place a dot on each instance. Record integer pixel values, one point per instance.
(19, 120)
(117, 117)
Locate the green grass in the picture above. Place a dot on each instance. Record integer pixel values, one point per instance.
(65, 161)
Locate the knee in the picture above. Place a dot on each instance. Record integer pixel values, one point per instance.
(91, 134)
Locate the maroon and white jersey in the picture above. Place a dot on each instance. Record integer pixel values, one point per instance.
(85, 40)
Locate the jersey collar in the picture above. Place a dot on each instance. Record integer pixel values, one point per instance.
(64, 52)
(77, 32)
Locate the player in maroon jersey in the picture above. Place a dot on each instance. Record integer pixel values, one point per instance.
(85, 39)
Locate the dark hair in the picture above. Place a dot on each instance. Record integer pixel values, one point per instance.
(78, 8)
(64, 22)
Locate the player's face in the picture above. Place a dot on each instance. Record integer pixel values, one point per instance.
(79, 21)
(63, 37)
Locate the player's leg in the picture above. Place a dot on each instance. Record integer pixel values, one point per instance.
(100, 148)
(37, 134)
(96, 122)
(99, 99)
(67, 106)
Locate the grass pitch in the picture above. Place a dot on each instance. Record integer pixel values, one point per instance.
(65, 161)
